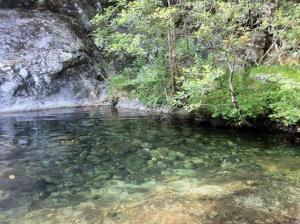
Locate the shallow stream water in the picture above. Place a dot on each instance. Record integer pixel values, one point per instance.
(89, 166)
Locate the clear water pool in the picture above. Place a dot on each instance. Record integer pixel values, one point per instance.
(89, 166)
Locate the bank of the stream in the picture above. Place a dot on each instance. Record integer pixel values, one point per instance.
(235, 61)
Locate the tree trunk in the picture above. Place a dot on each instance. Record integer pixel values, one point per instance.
(234, 100)
(173, 57)
(172, 52)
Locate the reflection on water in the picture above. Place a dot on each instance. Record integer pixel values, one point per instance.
(86, 167)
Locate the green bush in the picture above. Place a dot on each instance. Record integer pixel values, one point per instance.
(185, 53)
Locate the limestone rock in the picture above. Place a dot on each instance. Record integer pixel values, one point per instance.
(41, 58)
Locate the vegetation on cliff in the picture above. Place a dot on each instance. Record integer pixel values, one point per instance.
(235, 60)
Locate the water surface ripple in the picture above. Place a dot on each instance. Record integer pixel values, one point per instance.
(79, 166)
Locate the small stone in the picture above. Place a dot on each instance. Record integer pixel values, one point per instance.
(250, 182)
(4, 195)
(197, 161)
(213, 214)
(49, 216)
(23, 73)
(12, 177)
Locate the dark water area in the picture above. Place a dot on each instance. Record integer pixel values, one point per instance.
(87, 166)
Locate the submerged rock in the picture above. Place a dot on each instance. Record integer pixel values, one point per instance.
(4, 195)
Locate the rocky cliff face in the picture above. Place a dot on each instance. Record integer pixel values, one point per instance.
(46, 58)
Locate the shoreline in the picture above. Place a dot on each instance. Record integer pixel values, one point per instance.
(264, 124)
(164, 113)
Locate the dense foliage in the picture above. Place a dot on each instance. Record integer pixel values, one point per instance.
(218, 57)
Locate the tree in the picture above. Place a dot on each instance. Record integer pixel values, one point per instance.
(197, 54)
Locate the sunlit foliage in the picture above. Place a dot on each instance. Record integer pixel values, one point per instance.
(197, 54)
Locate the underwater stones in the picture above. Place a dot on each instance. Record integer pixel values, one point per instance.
(60, 194)
(152, 164)
(194, 188)
(294, 175)
(212, 214)
(251, 182)
(163, 153)
(112, 189)
(272, 164)
(103, 176)
(159, 153)
(161, 207)
(206, 191)
(4, 195)
(168, 178)
(118, 186)
(197, 161)
(117, 190)
(182, 185)
(191, 140)
(117, 177)
(269, 200)
(99, 180)
(185, 172)
(5, 172)
(145, 145)
(86, 205)
(50, 179)
(254, 202)
(236, 186)
(160, 165)
(187, 164)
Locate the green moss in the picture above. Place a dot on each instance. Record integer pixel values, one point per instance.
(119, 82)
(291, 72)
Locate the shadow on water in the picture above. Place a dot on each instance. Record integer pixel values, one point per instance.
(98, 166)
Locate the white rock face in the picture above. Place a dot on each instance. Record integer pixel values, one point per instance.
(36, 42)
(42, 59)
